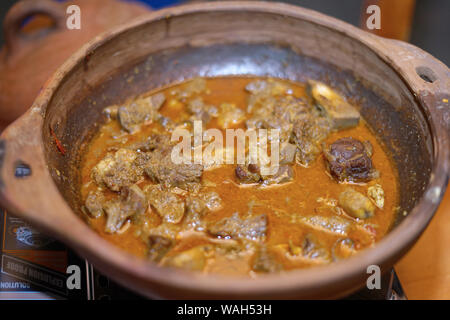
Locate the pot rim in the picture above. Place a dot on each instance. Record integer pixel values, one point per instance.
(395, 242)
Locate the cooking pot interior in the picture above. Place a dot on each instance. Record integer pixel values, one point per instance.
(168, 50)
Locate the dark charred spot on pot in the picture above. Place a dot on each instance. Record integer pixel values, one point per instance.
(426, 74)
(22, 170)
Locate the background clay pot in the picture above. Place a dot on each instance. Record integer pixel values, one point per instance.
(28, 60)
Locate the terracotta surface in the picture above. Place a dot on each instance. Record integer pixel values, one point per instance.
(391, 69)
(425, 270)
(28, 60)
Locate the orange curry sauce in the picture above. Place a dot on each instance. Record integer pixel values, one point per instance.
(279, 202)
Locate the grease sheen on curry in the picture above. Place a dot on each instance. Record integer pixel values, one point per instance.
(336, 191)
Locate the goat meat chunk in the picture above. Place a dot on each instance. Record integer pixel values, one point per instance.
(94, 203)
(248, 173)
(349, 160)
(308, 134)
(161, 169)
(236, 228)
(195, 210)
(169, 207)
(284, 174)
(153, 142)
(131, 202)
(230, 115)
(287, 153)
(212, 200)
(194, 87)
(201, 111)
(117, 170)
(140, 111)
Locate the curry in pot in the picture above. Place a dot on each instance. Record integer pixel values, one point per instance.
(333, 191)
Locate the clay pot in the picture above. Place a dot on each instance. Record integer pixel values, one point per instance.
(27, 61)
(402, 91)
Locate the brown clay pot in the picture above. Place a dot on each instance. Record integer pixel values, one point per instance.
(403, 93)
(27, 61)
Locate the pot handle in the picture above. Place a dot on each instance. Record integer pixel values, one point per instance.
(23, 10)
(27, 189)
(427, 76)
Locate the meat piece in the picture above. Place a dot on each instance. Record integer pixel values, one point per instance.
(193, 87)
(264, 261)
(115, 216)
(331, 224)
(154, 141)
(230, 115)
(117, 170)
(201, 111)
(236, 228)
(212, 200)
(376, 194)
(195, 210)
(272, 109)
(261, 98)
(308, 134)
(284, 174)
(158, 247)
(132, 202)
(313, 249)
(280, 114)
(169, 206)
(271, 87)
(161, 169)
(291, 109)
(349, 160)
(94, 203)
(193, 259)
(248, 173)
(342, 114)
(165, 230)
(195, 206)
(167, 123)
(356, 204)
(140, 111)
(274, 122)
(287, 153)
(259, 115)
(135, 200)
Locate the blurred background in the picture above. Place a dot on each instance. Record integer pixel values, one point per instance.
(424, 23)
